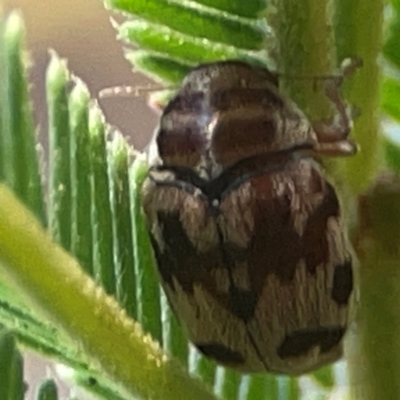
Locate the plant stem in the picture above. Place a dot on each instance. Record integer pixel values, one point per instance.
(108, 339)
(359, 30)
(374, 366)
(306, 48)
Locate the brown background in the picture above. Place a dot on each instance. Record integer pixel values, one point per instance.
(80, 31)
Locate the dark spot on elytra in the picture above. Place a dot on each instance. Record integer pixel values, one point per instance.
(243, 303)
(179, 259)
(301, 341)
(275, 247)
(342, 283)
(181, 135)
(221, 353)
(181, 140)
(178, 249)
(315, 240)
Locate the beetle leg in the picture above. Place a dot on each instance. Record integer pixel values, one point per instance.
(333, 137)
(338, 148)
(339, 128)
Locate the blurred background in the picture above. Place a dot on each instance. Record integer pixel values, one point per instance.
(80, 31)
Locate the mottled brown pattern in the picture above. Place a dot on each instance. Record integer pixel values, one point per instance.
(268, 245)
(275, 246)
(245, 227)
(204, 122)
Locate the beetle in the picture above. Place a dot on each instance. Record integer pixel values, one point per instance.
(246, 228)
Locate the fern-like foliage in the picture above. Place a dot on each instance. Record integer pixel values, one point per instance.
(111, 324)
(88, 214)
(174, 36)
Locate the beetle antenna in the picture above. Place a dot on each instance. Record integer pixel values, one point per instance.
(131, 91)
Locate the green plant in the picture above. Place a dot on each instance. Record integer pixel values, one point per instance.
(52, 306)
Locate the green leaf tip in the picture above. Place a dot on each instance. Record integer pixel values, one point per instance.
(57, 71)
(119, 149)
(96, 120)
(14, 28)
(81, 182)
(60, 151)
(19, 164)
(79, 96)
